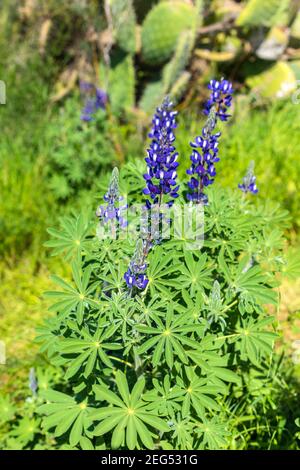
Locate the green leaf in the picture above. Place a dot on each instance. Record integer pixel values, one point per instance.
(137, 391)
(144, 434)
(75, 434)
(118, 435)
(85, 443)
(131, 433)
(154, 421)
(103, 393)
(123, 387)
(107, 424)
(53, 395)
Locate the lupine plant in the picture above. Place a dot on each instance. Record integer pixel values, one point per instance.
(159, 338)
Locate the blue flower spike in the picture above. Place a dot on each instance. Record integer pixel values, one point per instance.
(135, 275)
(162, 158)
(111, 211)
(95, 99)
(249, 181)
(205, 148)
(220, 97)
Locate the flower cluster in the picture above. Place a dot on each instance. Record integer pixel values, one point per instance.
(112, 212)
(135, 275)
(95, 99)
(202, 171)
(162, 159)
(220, 98)
(206, 146)
(249, 181)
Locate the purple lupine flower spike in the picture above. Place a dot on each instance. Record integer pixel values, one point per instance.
(101, 99)
(160, 180)
(221, 98)
(162, 158)
(204, 156)
(206, 146)
(135, 275)
(95, 99)
(249, 181)
(111, 211)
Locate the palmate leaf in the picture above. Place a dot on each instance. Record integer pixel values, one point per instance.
(214, 367)
(113, 276)
(65, 414)
(195, 393)
(154, 306)
(250, 284)
(72, 239)
(169, 337)
(89, 350)
(193, 305)
(120, 310)
(48, 335)
(162, 267)
(7, 409)
(161, 397)
(230, 220)
(26, 429)
(73, 299)
(128, 416)
(227, 243)
(252, 340)
(195, 273)
(212, 433)
(182, 434)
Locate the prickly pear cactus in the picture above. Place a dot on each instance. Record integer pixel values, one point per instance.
(278, 81)
(172, 73)
(119, 82)
(177, 64)
(295, 28)
(264, 13)
(174, 78)
(162, 28)
(124, 24)
(153, 93)
(180, 86)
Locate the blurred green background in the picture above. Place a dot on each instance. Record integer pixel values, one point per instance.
(135, 52)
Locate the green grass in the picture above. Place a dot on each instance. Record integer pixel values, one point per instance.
(270, 138)
(22, 309)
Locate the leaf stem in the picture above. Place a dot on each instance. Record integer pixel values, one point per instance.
(121, 360)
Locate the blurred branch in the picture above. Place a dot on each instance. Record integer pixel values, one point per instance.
(221, 26)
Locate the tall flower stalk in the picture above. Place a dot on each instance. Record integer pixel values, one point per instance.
(205, 147)
(94, 99)
(110, 214)
(135, 275)
(249, 181)
(161, 188)
(162, 158)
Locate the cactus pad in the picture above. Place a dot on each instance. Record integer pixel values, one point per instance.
(162, 28)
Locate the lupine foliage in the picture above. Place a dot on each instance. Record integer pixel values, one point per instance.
(161, 368)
